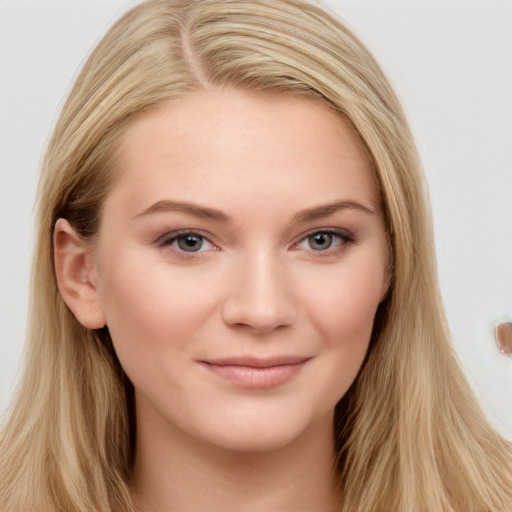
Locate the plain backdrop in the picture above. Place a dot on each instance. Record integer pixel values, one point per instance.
(451, 63)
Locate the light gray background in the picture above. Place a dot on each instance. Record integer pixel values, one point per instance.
(451, 62)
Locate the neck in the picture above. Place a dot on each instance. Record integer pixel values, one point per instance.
(181, 474)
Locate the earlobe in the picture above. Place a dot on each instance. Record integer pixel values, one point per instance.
(76, 275)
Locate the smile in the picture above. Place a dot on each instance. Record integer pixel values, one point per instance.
(254, 373)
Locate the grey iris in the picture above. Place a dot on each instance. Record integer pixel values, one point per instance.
(320, 241)
(190, 243)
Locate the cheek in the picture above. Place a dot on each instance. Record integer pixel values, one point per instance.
(344, 316)
(159, 315)
(344, 303)
(153, 314)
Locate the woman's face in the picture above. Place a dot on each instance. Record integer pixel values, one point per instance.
(239, 265)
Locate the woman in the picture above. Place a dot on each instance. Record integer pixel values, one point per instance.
(234, 255)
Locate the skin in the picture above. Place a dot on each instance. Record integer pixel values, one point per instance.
(286, 258)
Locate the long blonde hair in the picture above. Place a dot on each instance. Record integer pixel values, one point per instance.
(410, 435)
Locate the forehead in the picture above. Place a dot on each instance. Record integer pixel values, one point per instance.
(230, 142)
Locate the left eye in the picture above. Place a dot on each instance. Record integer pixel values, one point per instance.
(323, 240)
(320, 241)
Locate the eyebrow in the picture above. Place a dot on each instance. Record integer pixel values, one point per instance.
(322, 211)
(196, 210)
(204, 212)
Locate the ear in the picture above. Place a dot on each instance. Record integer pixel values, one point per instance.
(76, 274)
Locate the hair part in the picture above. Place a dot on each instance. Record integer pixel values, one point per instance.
(410, 434)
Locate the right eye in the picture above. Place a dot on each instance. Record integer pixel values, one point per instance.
(188, 241)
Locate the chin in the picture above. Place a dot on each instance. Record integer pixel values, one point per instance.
(266, 433)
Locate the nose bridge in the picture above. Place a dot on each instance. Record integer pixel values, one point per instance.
(261, 297)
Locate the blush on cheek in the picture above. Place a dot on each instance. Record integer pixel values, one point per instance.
(348, 316)
(149, 319)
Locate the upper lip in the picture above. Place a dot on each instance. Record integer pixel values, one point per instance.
(257, 362)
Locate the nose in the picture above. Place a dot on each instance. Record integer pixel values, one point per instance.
(261, 297)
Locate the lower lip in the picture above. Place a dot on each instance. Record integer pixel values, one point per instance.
(252, 377)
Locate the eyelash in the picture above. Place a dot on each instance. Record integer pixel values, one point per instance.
(339, 238)
(170, 239)
(343, 238)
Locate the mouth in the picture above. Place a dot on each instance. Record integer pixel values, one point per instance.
(256, 373)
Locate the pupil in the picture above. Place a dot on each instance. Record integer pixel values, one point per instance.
(190, 243)
(320, 241)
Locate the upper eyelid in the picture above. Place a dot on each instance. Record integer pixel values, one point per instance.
(342, 232)
(172, 235)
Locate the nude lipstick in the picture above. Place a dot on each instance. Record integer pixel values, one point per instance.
(256, 373)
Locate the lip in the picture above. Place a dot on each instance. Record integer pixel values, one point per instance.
(256, 373)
